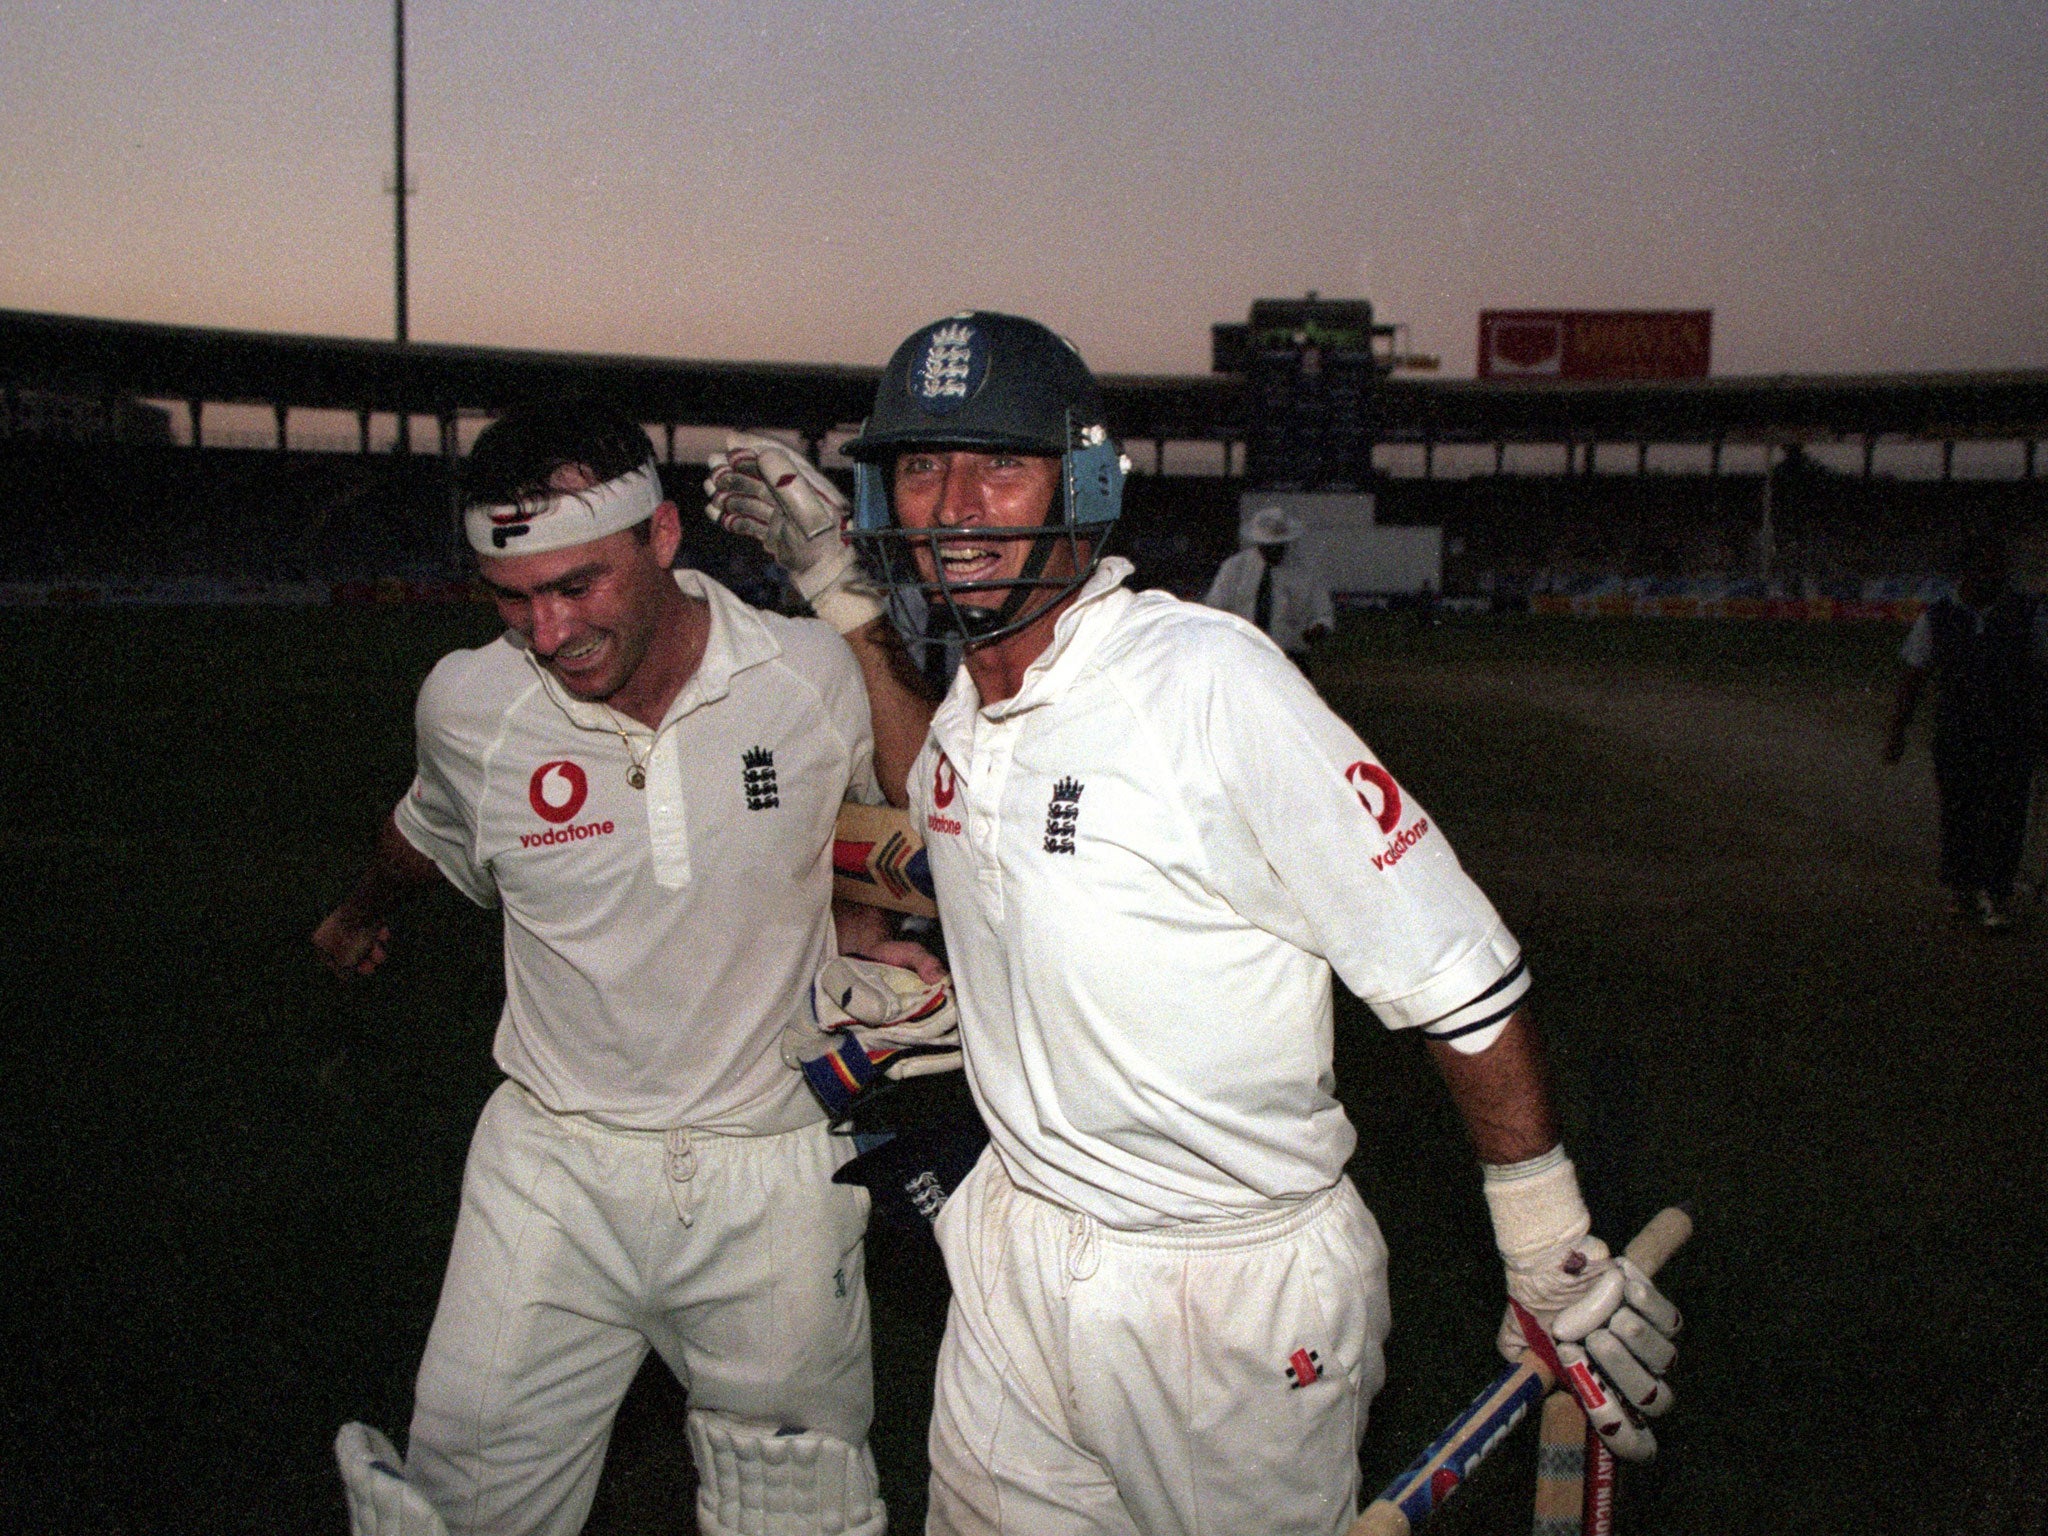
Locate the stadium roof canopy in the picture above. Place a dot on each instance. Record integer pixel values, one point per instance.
(117, 358)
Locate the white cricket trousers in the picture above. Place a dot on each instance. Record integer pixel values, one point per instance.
(1201, 1380)
(578, 1247)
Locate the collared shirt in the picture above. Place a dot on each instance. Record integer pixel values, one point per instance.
(1301, 599)
(657, 941)
(1148, 862)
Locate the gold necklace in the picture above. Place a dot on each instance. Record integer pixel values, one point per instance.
(636, 767)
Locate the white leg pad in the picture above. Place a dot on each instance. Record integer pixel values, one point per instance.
(380, 1501)
(754, 1481)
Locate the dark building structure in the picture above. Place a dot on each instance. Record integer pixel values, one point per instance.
(1302, 393)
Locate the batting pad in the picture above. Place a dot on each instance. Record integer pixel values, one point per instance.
(753, 1480)
(380, 1501)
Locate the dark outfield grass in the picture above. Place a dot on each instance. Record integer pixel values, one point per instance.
(230, 1180)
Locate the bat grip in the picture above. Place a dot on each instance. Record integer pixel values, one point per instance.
(1380, 1520)
(1663, 1236)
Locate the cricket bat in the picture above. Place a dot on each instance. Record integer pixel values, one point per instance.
(878, 860)
(1449, 1459)
(1560, 1468)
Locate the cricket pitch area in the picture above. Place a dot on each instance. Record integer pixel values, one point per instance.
(231, 1179)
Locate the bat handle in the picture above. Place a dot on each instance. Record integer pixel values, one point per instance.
(1473, 1433)
(1380, 1520)
(1663, 1236)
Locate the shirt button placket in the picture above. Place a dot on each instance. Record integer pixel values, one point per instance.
(668, 827)
(992, 753)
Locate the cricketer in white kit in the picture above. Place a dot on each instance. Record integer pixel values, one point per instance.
(643, 773)
(1152, 846)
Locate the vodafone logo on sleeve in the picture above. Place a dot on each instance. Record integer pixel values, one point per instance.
(1372, 776)
(556, 792)
(1373, 783)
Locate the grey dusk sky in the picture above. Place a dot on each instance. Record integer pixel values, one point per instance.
(1856, 187)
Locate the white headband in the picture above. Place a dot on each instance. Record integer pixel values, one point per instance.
(567, 518)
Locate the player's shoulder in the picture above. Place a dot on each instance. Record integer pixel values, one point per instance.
(476, 683)
(1186, 671)
(806, 646)
(1163, 636)
(809, 646)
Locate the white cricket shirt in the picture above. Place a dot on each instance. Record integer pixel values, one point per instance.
(1148, 862)
(657, 941)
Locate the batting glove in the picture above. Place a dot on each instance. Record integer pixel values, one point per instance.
(769, 492)
(873, 1021)
(380, 1501)
(1611, 1327)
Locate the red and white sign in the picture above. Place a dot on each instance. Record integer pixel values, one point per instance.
(1595, 343)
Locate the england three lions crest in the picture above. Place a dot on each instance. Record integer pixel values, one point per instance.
(757, 778)
(954, 364)
(1063, 815)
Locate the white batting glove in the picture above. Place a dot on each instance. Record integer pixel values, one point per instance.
(769, 492)
(872, 1021)
(380, 1501)
(1611, 1326)
(889, 1007)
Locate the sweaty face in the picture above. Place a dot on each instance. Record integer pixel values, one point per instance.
(957, 493)
(588, 612)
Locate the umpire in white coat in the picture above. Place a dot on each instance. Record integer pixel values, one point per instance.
(1283, 598)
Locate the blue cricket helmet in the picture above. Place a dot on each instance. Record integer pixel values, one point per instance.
(985, 382)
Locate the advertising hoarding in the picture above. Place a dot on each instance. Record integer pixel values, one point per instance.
(1594, 343)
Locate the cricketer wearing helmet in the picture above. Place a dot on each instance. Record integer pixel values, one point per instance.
(642, 773)
(1153, 847)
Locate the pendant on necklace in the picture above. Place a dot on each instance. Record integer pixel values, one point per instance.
(636, 777)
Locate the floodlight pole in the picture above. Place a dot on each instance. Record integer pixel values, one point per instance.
(398, 195)
(398, 147)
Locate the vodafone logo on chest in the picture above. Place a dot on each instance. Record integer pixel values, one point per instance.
(556, 792)
(945, 785)
(1381, 797)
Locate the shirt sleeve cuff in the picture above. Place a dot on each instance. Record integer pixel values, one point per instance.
(1483, 986)
(461, 874)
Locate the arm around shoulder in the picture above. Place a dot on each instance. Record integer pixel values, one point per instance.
(899, 706)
